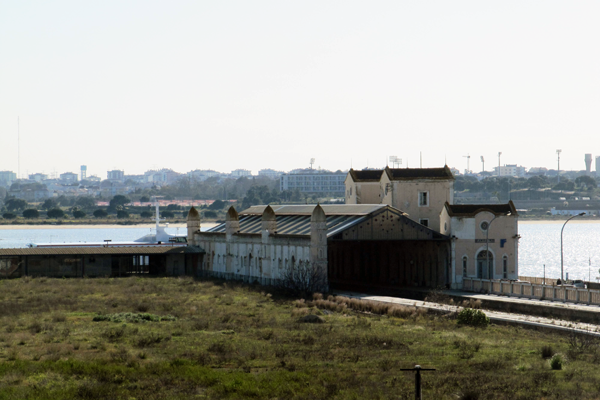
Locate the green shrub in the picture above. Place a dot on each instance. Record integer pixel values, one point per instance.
(472, 317)
(556, 362)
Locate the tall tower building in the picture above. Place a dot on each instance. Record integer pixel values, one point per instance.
(83, 172)
(588, 164)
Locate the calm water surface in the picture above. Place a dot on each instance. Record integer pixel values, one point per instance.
(539, 244)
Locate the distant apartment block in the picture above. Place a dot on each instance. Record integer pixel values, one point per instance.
(162, 176)
(270, 173)
(313, 181)
(115, 175)
(7, 178)
(38, 177)
(69, 177)
(537, 171)
(203, 174)
(238, 173)
(511, 170)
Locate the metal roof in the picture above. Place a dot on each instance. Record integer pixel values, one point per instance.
(295, 220)
(66, 251)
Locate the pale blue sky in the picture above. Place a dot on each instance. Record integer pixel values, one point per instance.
(190, 85)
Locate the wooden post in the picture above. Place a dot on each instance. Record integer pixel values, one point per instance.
(418, 369)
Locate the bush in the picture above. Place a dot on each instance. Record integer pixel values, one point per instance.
(146, 214)
(472, 317)
(100, 213)
(556, 362)
(31, 213)
(122, 214)
(9, 215)
(547, 351)
(79, 214)
(210, 214)
(55, 213)
(167, 214)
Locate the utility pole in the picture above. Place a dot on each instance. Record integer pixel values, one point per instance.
(482, 164)
(558, 168)
(499, 154)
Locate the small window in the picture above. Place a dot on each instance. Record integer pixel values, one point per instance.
(484, 225)
(424, 222)
(423, 199)
(505, 267)
(464, 266)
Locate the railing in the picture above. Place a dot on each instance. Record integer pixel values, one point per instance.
(532, 290)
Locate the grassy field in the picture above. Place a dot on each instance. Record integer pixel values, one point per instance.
(168, 338)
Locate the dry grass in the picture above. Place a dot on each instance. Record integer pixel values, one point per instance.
(225, 340)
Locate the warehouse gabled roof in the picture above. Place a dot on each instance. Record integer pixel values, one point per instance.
(470, 210)
(97, 251)
(295, 219)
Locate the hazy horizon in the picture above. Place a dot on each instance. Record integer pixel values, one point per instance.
(187, 85)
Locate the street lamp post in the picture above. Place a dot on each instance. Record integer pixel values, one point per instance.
(561, 246)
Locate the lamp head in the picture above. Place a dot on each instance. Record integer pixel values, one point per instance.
(581, 214)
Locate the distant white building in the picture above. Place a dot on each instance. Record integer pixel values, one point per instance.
(314, 181)
(270, 173)
(69, 177)
(511, 170)
(7, 178)
(38, 177)
(115, 175)
(238, 173)
(203, 174)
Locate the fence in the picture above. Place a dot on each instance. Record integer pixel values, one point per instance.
(531, 290)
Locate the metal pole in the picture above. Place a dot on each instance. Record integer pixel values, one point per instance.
(544, 274)
(418, 393)
(561, 247)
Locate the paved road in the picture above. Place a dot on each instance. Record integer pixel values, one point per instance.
(497, 316)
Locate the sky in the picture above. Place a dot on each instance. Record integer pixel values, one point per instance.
(139, 85)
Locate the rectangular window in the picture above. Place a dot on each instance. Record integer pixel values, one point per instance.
(464, 266)
(424, 222)
(505, 267)
(423, 199)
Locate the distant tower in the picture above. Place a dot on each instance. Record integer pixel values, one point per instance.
(597, 165)
(588, 163)
(83, 172)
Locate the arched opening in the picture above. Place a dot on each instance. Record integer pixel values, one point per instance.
(485, 264)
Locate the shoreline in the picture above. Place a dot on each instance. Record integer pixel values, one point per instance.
(99, 226)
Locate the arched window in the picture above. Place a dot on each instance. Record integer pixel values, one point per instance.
(485, 262)
(505, 267)
(465, 263)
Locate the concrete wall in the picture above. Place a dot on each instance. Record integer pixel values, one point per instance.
(405, 195)
(250, 259)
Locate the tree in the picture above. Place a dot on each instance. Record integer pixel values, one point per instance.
(146, 214)
(586, 181)
(31, 213)
(79, 214)
(119, 200)
(85, 202)
(14, 204)
(122, 214)
(217, 205)
(49, 204)
(144, 199)
(172, 207)
(210, 214)
(167, 214)
(9, 215)
(99, 213)
(55, 213)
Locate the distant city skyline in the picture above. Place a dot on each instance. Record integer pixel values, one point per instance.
(187, 85)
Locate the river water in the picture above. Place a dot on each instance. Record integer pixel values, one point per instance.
(539, 244)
